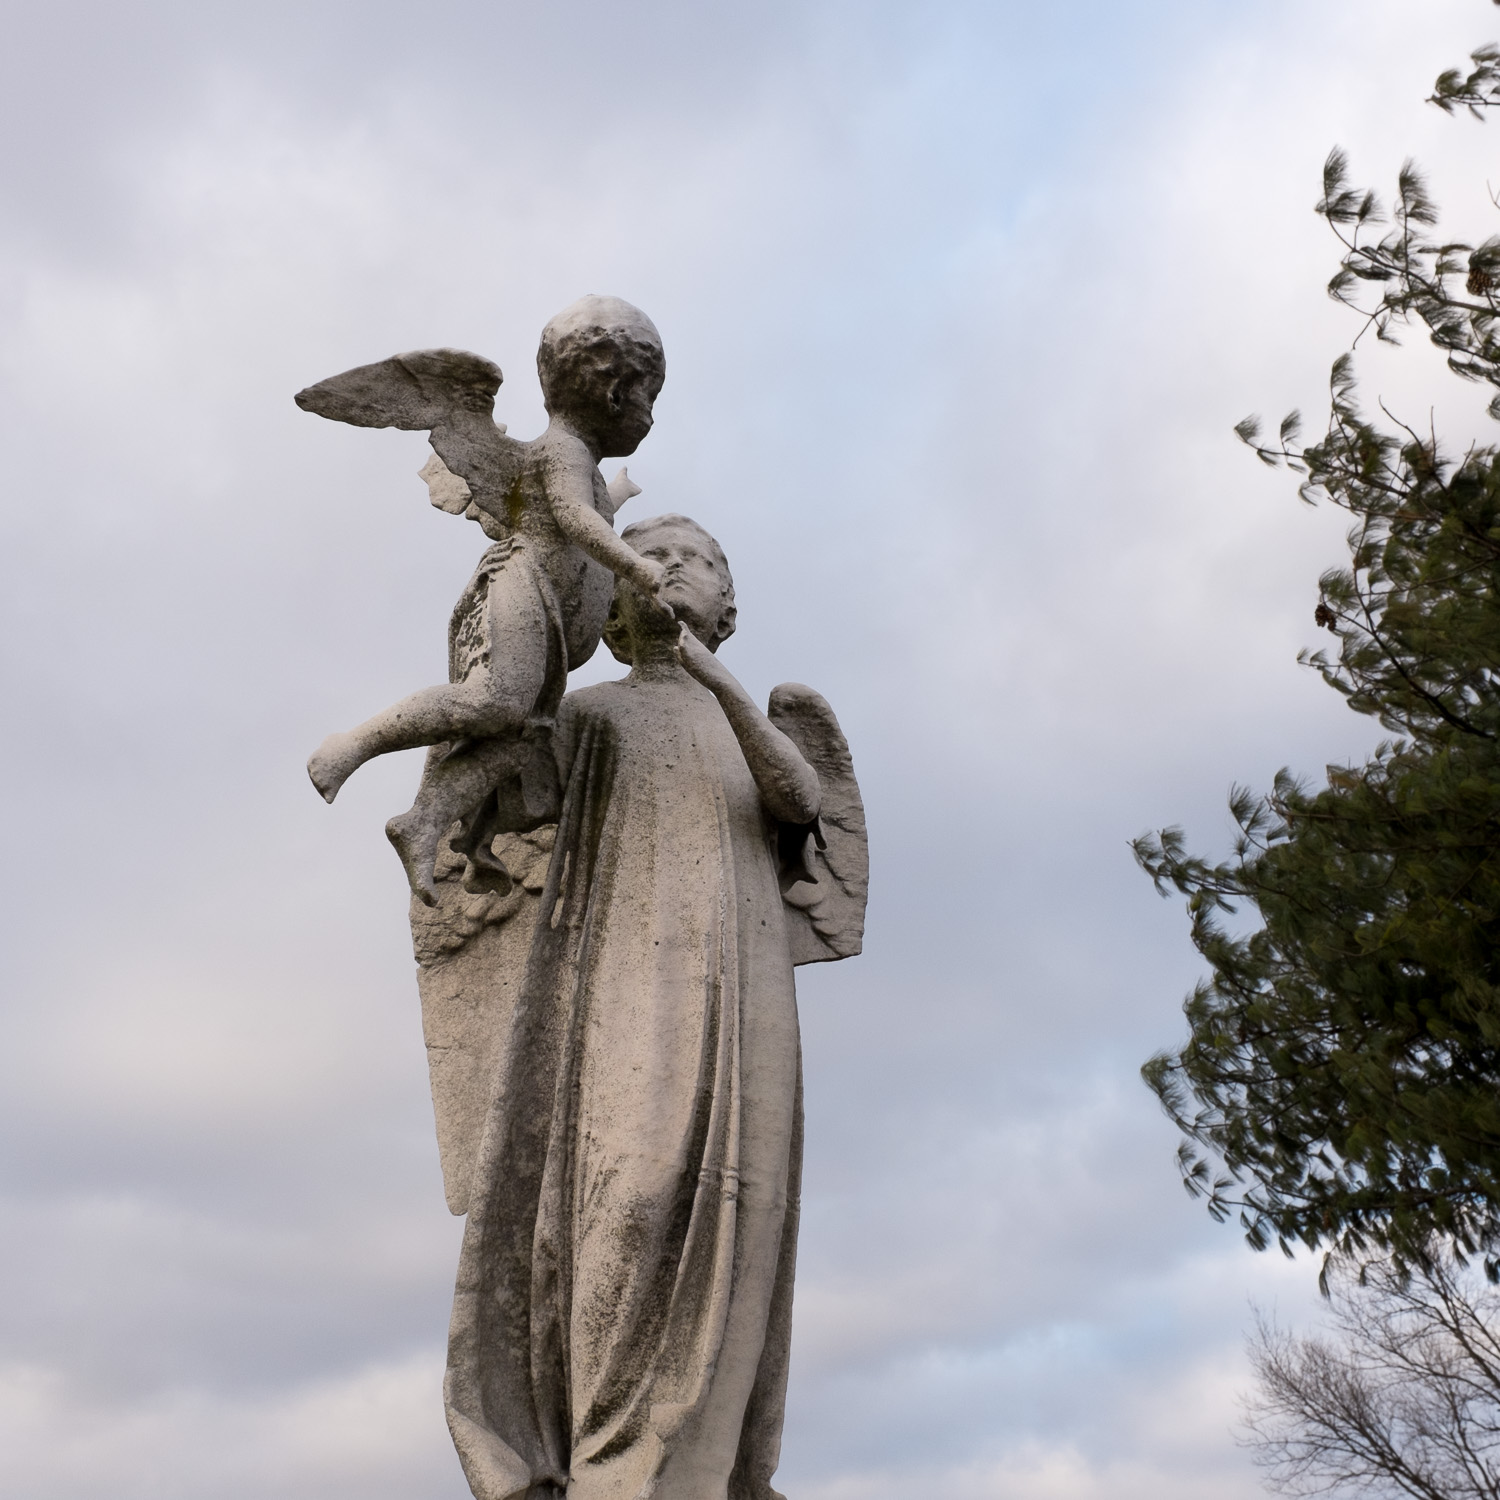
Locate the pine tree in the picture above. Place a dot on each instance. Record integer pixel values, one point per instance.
(1341, 1083)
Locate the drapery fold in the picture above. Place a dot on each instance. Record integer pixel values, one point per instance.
(622, 1314)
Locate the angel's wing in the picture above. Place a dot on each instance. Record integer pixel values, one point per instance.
(827, 875)
(447, 392)
(471, 953)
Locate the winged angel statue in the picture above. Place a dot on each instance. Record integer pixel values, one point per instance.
(608, 1003)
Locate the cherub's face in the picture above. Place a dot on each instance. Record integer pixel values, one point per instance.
(692, 583)
(610, 389)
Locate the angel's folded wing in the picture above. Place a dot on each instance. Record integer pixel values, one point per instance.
(828, 875)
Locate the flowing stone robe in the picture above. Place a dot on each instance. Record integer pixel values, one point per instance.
(623, 1310)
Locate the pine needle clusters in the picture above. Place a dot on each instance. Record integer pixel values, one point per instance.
(1341, 1083)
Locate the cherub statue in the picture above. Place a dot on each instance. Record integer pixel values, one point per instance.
(538, 601)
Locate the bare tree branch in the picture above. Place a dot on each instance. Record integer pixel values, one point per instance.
(1400, 1398)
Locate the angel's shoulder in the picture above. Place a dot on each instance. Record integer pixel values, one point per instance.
(599, 700)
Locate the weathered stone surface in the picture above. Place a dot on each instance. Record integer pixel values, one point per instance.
(622, 1319)
(828, 878)
(471, 953)
(606, 944)
(550, 575)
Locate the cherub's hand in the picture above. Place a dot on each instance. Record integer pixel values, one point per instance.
(651, 586)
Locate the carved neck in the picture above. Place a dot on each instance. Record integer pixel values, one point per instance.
(653, 657)
(563, 421)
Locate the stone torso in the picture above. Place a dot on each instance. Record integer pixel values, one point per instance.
(622, 1319)
(583, 587)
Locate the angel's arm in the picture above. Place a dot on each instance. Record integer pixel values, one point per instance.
(570, 493)
(788, 785)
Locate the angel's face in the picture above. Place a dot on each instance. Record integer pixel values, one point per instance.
(692, 582)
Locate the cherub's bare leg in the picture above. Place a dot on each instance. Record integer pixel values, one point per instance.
(451, 789)
(479, 708)
(494, 700)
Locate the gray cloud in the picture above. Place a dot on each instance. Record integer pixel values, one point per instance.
(960, 303)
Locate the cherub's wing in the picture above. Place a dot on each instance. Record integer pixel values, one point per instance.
(827, 875)
(444, 488)
(620, 489)
(415, 392)
(447, 392)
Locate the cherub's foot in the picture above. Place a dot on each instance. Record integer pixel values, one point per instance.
(333, 763)
(416, 842)
(486, 874)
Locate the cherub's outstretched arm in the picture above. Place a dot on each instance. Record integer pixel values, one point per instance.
(570, 493)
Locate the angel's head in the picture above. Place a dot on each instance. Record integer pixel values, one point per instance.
(696, 583)
(602, 368)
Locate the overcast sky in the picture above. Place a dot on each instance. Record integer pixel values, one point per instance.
(960, 303)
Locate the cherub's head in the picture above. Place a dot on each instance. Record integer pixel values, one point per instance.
(602, 368)
(697, 585)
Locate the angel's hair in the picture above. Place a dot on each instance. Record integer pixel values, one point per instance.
(580, 329)
(617, 638)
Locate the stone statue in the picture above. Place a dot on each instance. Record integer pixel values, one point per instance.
(546, 505)
(613, 1042)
